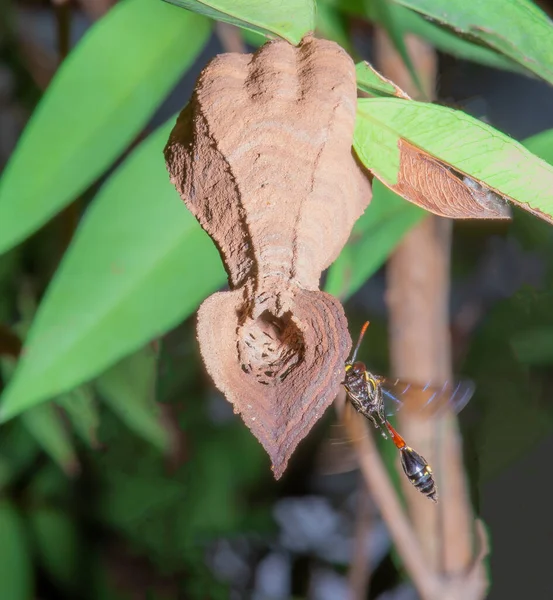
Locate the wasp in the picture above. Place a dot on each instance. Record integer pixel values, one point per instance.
(377, 397)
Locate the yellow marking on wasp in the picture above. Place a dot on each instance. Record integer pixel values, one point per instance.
(348, 367)
(371, 380)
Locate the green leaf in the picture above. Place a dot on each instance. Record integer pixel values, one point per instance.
(101, 97)
(541, 145)
(447, 41)
(440, 37)
(534, 346)
(331, 25)
(516, 28)
(389, 17)
(18, 451)
(82, 410)
(138, 265)
(375, 235)
(16, 572)
(371, 81)
(128, 388)
(252, 38)
(57, 544)
(45, 425)
(472, 147)
(535, 234)
(290, 20)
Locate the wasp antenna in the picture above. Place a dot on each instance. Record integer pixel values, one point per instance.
(361, 335)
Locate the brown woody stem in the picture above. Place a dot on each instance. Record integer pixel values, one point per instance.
(418, 299)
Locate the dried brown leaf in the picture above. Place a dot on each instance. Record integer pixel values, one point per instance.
(444, 191)
(262, 157)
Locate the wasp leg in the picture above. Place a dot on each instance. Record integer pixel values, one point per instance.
(383, 424)
(379, 426)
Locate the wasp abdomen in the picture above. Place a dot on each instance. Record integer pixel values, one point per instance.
(418, 472)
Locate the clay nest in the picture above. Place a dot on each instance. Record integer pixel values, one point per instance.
(262, 157)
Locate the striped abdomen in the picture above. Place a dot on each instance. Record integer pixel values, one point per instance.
(418, 472)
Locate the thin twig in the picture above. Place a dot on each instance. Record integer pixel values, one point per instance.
(385, 497)
(230, 38)
(359, 571)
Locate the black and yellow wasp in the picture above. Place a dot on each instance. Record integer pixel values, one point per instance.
(377, 397)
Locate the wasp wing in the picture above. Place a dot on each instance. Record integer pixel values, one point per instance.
(425, 399)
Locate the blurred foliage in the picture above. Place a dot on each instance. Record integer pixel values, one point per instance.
(120, 466)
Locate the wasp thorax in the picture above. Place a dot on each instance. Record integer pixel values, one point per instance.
(270, 347)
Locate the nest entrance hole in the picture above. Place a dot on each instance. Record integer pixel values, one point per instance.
(270, 347)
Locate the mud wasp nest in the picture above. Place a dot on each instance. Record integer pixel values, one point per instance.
(262, 157)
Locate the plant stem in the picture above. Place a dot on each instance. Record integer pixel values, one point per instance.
(418, 300)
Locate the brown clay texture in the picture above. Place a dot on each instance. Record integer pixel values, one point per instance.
(262, 157)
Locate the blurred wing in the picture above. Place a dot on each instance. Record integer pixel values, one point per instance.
(337, 453)
(427, 399)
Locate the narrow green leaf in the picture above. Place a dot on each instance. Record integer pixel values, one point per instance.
(18, 451)
(101, 97)
(472, 147)
(16, 572)
(440, 37)
(389, 17)
(290, 20)
(45, 425)
(516, 28)
(371, 81)
(82, 410)
(128, 388)
(331, 25)
(57, 543)
(447, 41)
(375, 235)
(138, 265)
